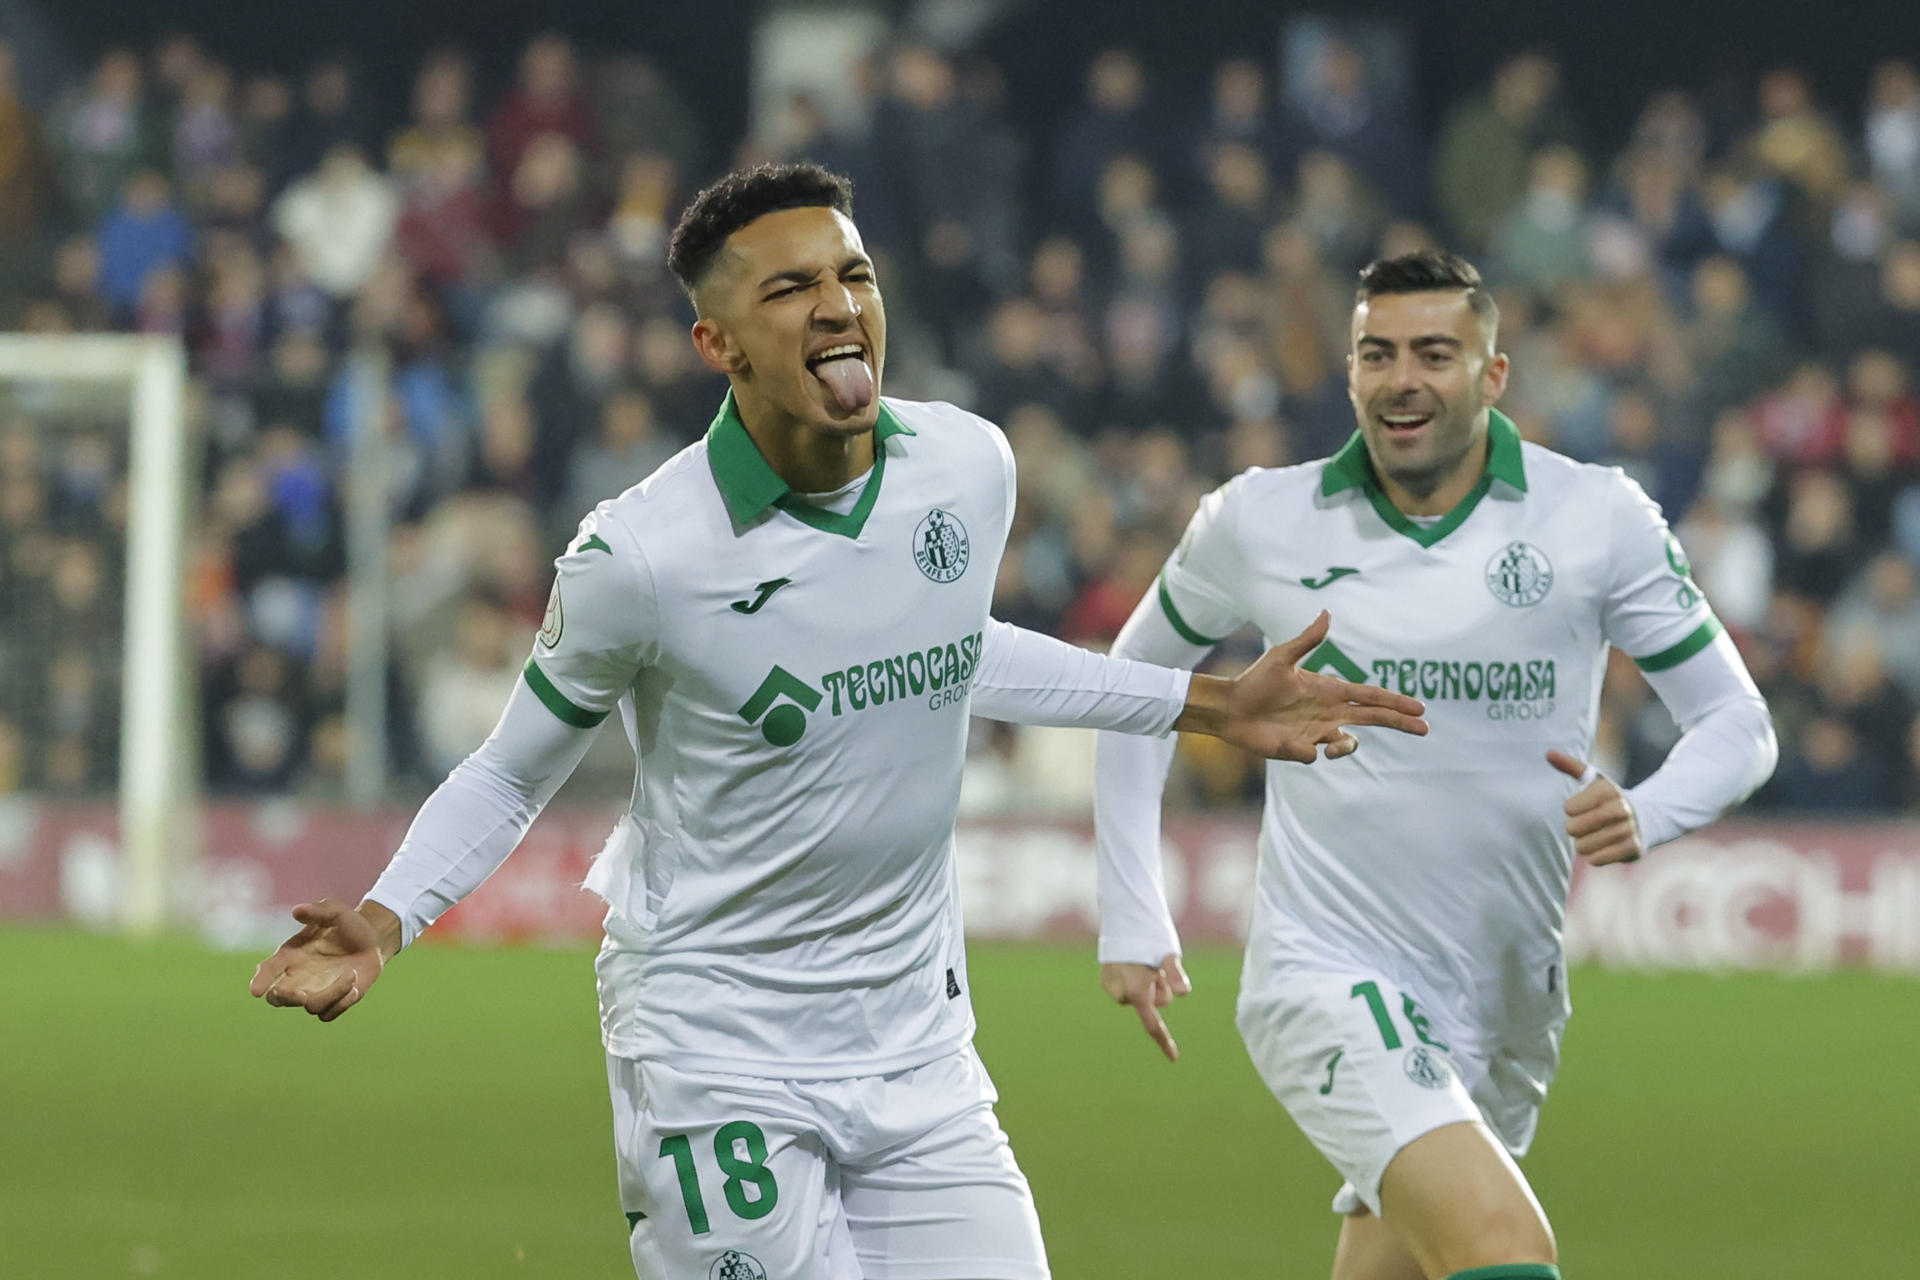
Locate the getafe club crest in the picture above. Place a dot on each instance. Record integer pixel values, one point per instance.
(555, 620)
(1426, 1068)
(1519, 574)
(734, 1265)
(940, 546)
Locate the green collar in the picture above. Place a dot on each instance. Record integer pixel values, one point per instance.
(1351, 468)
(750, 486)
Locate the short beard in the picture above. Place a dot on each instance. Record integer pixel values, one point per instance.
(1424, 481)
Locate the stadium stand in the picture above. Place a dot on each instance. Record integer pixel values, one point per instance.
(1728, 307)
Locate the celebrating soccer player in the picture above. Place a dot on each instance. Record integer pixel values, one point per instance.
(1405, 988)
(792, 618)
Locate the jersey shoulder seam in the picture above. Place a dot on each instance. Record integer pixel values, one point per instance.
(1539, 458)
(1282, 482)
(644, 562)
(679, 488)
(943, 413)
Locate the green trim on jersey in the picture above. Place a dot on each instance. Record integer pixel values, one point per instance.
(850, 524)
(1511, 1271)
(749, 486)
(1187, 633)
(557, 702)
(1702, 636)
(1427, 534)
(1351, 468)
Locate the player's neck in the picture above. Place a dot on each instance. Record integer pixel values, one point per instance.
(1450, 492)
(808, 459)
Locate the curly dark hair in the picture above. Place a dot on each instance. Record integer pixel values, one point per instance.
(741, 197)
(1428, 271)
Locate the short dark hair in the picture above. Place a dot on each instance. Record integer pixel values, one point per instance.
(742, 197)
(1428, 271)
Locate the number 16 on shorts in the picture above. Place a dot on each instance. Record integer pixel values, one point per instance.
(1426, 1069)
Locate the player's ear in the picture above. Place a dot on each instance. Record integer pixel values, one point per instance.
(718, 351)
(1494, 377)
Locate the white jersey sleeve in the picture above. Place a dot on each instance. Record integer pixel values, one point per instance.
(1726, 751)
(599, 630)
(1129, 776)
(1196, 603)
(1199, 589)
(474, 819)
(1012, 470)
(1028, 678)
(1653, 610)
(1656, 613)
(602, 624)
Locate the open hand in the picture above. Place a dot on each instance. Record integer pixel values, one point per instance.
(1276, 710)
(1599, 817)
(326, 967)
(1147, 991)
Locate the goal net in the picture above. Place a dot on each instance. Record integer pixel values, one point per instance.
(96, 696)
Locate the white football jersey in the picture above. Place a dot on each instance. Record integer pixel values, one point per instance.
(794, 678)
(1441, 861)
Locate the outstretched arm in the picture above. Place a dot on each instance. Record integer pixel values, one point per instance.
(461, 835)
(1272, 709)
(600, 632)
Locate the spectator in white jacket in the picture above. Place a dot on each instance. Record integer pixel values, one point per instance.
(339, 220)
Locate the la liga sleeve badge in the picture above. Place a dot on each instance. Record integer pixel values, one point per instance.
(555, 620)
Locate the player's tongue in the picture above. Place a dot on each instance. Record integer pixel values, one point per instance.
(849, 380)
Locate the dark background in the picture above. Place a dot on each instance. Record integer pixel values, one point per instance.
(1612, 53)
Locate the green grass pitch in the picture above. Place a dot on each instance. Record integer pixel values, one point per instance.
(157, 1122)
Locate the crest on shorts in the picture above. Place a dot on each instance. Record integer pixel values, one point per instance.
(940, 546)
(555, 620)
(1427, 1069)
(734, 1265)
(1519, 574)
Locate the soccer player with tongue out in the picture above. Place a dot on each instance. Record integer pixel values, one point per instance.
(791, 616)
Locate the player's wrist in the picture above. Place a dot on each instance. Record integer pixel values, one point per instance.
(385, 925)
(1149, 949)
(1654, 824)
(1206, 707)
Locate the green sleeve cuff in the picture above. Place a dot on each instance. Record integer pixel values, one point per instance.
(1702, 636)
(557, 702)
(1187, 633)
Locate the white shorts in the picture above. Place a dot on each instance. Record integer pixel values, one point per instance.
(1365, 1066)
(898, 1177)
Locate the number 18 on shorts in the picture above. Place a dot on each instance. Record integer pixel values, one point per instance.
(906, 1176)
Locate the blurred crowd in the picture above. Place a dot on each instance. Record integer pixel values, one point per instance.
(1149, 297)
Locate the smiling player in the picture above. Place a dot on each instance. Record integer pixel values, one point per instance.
(1405, 990)
(791, 616)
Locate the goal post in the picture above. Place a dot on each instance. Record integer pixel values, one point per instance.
(158, 758)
